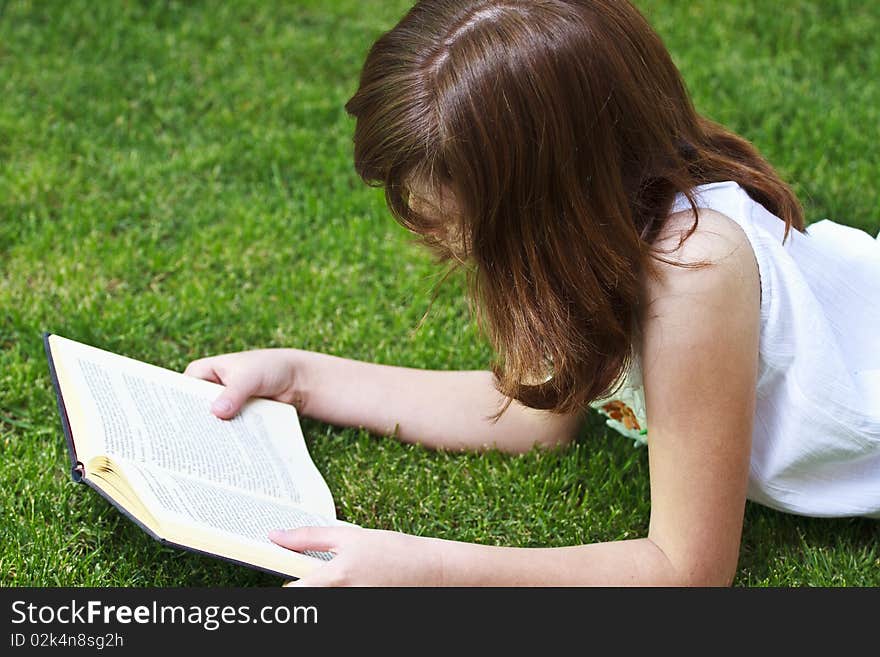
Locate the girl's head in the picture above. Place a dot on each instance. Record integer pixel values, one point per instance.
(542, 142)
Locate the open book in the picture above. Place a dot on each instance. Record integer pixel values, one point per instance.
(144, 438)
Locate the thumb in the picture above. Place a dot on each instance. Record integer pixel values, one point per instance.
(319, 539)
(229, 402)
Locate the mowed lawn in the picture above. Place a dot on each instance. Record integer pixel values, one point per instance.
(176, 181)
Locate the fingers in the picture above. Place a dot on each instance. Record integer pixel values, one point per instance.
(322, 576)
(202, 369)
(229, 402)
(320, 539)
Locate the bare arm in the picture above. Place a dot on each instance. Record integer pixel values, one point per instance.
(448, 410)
(700, 362)
(439, 409)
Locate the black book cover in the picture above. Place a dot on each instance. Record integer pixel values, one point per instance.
(77, 469)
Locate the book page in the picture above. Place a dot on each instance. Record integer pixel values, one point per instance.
(228, 513)
(145, 414)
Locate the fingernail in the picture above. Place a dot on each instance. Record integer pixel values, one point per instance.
(221, 406)
(275, 534)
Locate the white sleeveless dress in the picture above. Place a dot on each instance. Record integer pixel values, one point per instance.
(816, 437)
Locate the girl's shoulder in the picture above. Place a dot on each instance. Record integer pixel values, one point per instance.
(721, 276)
(708, 263)
(715, 238)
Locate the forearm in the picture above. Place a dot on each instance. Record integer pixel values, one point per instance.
(438, 409)
(637, 562)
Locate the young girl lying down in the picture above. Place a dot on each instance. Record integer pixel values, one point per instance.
(625, 254)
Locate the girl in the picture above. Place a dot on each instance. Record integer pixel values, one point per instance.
(625, 253)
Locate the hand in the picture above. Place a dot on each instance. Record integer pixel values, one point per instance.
(366, 557)
(266, 373)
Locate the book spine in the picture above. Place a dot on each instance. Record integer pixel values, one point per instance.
(77, 469)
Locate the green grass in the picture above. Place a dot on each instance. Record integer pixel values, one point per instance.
(175, 181)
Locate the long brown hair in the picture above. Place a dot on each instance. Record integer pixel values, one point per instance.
(563, 130)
